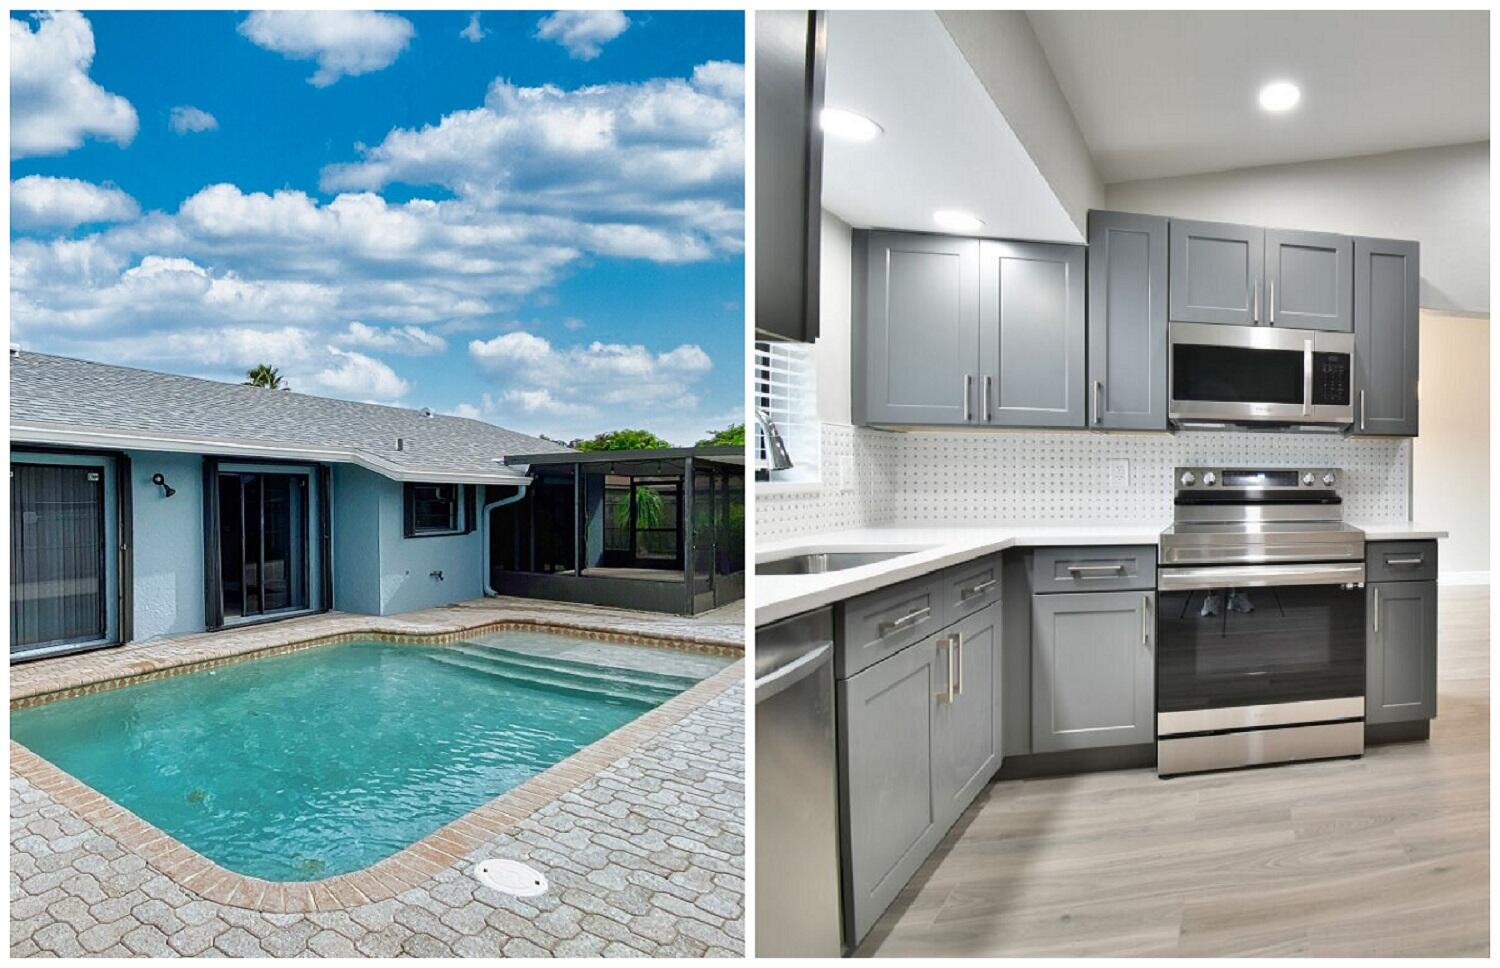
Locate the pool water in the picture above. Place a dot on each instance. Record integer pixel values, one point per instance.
(322, 762)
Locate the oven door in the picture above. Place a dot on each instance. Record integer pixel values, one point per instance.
(1259, 645)
(1238, 374)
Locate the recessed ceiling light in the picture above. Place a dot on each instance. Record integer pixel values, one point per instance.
(848, 125)
(956, 221)
(1280, 96)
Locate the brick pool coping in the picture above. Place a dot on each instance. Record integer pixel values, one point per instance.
(408, 868)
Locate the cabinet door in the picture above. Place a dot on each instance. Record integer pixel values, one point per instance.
(1385, 337)
(1127, 329)
(916, 329)
(886, 722)
(1093, 670)
(966, 729)
(1031, 334)
(1401, 656)
(1216, 272)
(1309, 280)
(789, 73)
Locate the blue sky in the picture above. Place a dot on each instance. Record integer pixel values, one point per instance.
(535, 218)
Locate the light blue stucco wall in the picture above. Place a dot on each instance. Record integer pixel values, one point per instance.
(380, 571)
(168, 544)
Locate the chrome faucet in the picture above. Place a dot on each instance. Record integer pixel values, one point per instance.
(775, 446)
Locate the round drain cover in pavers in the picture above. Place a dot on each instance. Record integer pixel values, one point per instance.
(511, 877)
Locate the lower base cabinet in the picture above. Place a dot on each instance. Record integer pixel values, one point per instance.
(919, 738)
(1093, 670)
(1401, 651)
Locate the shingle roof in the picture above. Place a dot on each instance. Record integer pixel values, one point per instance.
(56, 399)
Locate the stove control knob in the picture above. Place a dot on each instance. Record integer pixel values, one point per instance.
(1208, 478)
(1328, 479)
(1188, 479)
(1307, 478)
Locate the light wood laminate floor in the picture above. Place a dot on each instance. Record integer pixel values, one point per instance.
(1385, 855)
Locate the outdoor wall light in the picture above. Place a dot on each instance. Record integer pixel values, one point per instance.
(161, 482)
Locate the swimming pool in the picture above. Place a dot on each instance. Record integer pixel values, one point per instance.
(324, 761)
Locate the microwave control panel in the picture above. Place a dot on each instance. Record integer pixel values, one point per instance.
(1331, 379)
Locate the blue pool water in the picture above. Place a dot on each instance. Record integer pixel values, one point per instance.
(322, 762)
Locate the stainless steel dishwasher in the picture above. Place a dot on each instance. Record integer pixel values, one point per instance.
(797, 905)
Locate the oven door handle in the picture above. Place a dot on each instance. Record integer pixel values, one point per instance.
(1259, 576)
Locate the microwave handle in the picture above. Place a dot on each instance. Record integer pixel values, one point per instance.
(1307, 376)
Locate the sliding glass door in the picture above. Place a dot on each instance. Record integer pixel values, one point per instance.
(58, 572)
(263, 543)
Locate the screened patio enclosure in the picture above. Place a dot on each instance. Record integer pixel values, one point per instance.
(659, 530)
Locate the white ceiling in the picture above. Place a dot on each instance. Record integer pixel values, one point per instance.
(1160, 93)
(945, 145)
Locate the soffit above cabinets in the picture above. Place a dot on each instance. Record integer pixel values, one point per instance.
(945, 145)
(1163, 93)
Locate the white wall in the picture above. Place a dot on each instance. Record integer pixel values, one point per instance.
(1438, 196)
(1002, 48)
(1451, 458)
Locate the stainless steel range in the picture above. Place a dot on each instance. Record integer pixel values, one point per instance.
(1260, 621)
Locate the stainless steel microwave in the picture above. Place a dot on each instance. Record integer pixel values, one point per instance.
(1225, 375)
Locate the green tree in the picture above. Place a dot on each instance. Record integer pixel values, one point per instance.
(731, 436)
(622, 440)
(265, 375)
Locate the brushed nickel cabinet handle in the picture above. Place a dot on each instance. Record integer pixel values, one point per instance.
(1377, 608)
(907, 619)
(984, 396)
(968, 391)
(1361, 410)
(1146, 620)
(1255, 301)
(1405, 562)
(1077, 571)
(945, 644)
(978, 589)
(1271, 303)
(1098, 401)
(958, 643)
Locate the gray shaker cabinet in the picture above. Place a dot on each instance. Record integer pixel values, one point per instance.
(1031, 334)
(887, 718)
(1309, 280)
(1401, 653)
(1386, 279)
(1216, 273)
(967, 727)
(1093, 670)
(916, 328)
(1127, 328)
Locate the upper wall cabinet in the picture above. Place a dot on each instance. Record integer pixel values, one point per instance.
(789, 70)
(1031, 334)
(1216, 273)
(1127, 345)
(1243, 275)
(916, 329)
(1308, 277)
(1386, 278)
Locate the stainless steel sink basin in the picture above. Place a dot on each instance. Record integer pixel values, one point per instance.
(824, 561)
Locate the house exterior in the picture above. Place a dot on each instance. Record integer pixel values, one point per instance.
(148, 504)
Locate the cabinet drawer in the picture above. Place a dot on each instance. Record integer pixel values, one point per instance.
(1093, 569)
(967, 588)
(886, 621)
(1401, 561)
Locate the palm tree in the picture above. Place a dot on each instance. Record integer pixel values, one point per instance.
(265, 375)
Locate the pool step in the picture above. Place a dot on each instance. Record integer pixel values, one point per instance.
(573, 684)
(552, 664)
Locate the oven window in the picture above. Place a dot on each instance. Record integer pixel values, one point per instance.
(1225, 647)
(1232, 374)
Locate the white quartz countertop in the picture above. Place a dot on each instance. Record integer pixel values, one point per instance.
(781, 596)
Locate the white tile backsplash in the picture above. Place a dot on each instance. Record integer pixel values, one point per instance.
(934, 478)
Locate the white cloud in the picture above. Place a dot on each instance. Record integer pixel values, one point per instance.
(361, 377)
(565, 390)
(54, 105)
(473, 32)
(652, 169)
(41, 201)
(343, 42)
(582, 32)
(407, 340)
(573, 324)
(186, 119)
(468, 410)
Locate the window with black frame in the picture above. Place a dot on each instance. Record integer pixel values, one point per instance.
(434, 509)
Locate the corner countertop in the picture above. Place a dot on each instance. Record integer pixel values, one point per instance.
(781, 596)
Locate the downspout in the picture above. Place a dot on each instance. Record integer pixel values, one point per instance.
(484, 532)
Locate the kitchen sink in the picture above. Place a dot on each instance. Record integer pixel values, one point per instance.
(825, 561)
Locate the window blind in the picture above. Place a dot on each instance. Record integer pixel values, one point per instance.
(786, 389)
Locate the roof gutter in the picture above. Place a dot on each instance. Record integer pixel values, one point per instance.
(41, 433)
